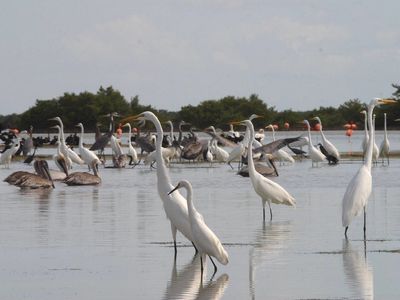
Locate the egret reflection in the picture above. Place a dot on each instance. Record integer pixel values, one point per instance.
(358, 273)
(269, 243)
(188, 283)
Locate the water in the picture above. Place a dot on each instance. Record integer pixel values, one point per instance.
(113, 241)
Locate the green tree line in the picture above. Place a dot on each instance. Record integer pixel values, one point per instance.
(90, 108)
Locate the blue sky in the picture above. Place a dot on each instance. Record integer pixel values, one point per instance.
(294, 54)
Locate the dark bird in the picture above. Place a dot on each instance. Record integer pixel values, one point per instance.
(84, 178)
(27, 180)
(31, 157)
(332, 160)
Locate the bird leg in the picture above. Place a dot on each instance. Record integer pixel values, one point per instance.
(215, 266)
(270, 211)
(196, 251)
(345, 232)
(201, 265)
(365, 217)
(176, 250)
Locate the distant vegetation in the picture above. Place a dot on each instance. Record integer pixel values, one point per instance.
(90, 108)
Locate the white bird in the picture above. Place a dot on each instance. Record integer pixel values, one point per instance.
(280, 154)
(385, 145)
(329, 147)
(175, 205)
(64, 149)
(88, 156)
(132, 153)
(315, 155)
(359, 188)
(364, 143)
(221, 154)
(205, 240)
(60, 158)
(375, 151)
(6, 156)
(268, 190)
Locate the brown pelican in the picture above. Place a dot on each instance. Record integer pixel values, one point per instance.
(84, 178)
(42, 178)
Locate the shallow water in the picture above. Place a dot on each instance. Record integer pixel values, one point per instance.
(113, 241)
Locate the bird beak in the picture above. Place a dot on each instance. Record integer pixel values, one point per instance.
(397, 120)
(52, 119)
(387, 101)
(126, 125)
(175, 188)
(237, 123)
(269, 126)
(132, 118)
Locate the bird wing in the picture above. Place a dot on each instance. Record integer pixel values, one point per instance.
(225, 142)
(274, 146)
(272, 191)
(356, 195)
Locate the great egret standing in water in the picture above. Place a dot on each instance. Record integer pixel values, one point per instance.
(175, 205)
(315, 155)
(207, 243)
(385, 145)
(359, 189)
(329, 147)
(268, 190)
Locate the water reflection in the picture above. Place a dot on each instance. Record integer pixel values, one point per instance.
(269, 242)
(357, 272)
(188, 283)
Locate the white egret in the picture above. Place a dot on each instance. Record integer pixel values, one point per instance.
(175, 205)
(268, 190)
(280, 154)
(6, 156)
(329, 147)
(375, 150)
(385, 145)
(366, 137)
(131, 151)
(315, 155)
(64, 149)
(88, 156)
(359, 188)
(205, 240)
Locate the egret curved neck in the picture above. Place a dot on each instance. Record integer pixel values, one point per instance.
(250, 161)
(161, 168)
(368, 156)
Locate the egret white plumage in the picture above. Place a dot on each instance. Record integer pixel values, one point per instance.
(315, 155)
(375, 151)
(175, 204)
(64, 148)
(268, 190)
(131, 151)
(385, 145)
(88, 156)
(329, 147)
(205, 240)
(359, 188)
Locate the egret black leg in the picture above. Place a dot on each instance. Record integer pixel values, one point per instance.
(345, 232)
(196, 251)
(365, 218)
(176, 250)
(215, 266)
(201, 265)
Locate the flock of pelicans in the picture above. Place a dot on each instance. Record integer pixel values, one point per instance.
(255, 161)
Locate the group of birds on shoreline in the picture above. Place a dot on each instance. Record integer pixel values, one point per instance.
(181, 210)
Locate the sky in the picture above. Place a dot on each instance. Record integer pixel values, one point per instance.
(293, 54)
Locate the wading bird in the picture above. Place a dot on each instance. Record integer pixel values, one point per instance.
(133, 158)
(359, 188)
(84, 178)
(175, 204)
(385, 145)
(329, 147)
(26, 180)
(268, 190)
(205, 240)
(88, 156)
(315, 155)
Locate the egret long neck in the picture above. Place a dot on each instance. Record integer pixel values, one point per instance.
(161, 168)
(384, 126)
(81, 138)
(62, 139)
(190, 205)
(250, 161)
(365, 125)
(273, 133)
(309, 135)
(368, 159)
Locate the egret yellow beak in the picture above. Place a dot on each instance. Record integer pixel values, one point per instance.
(387, 101)
(131, 118)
